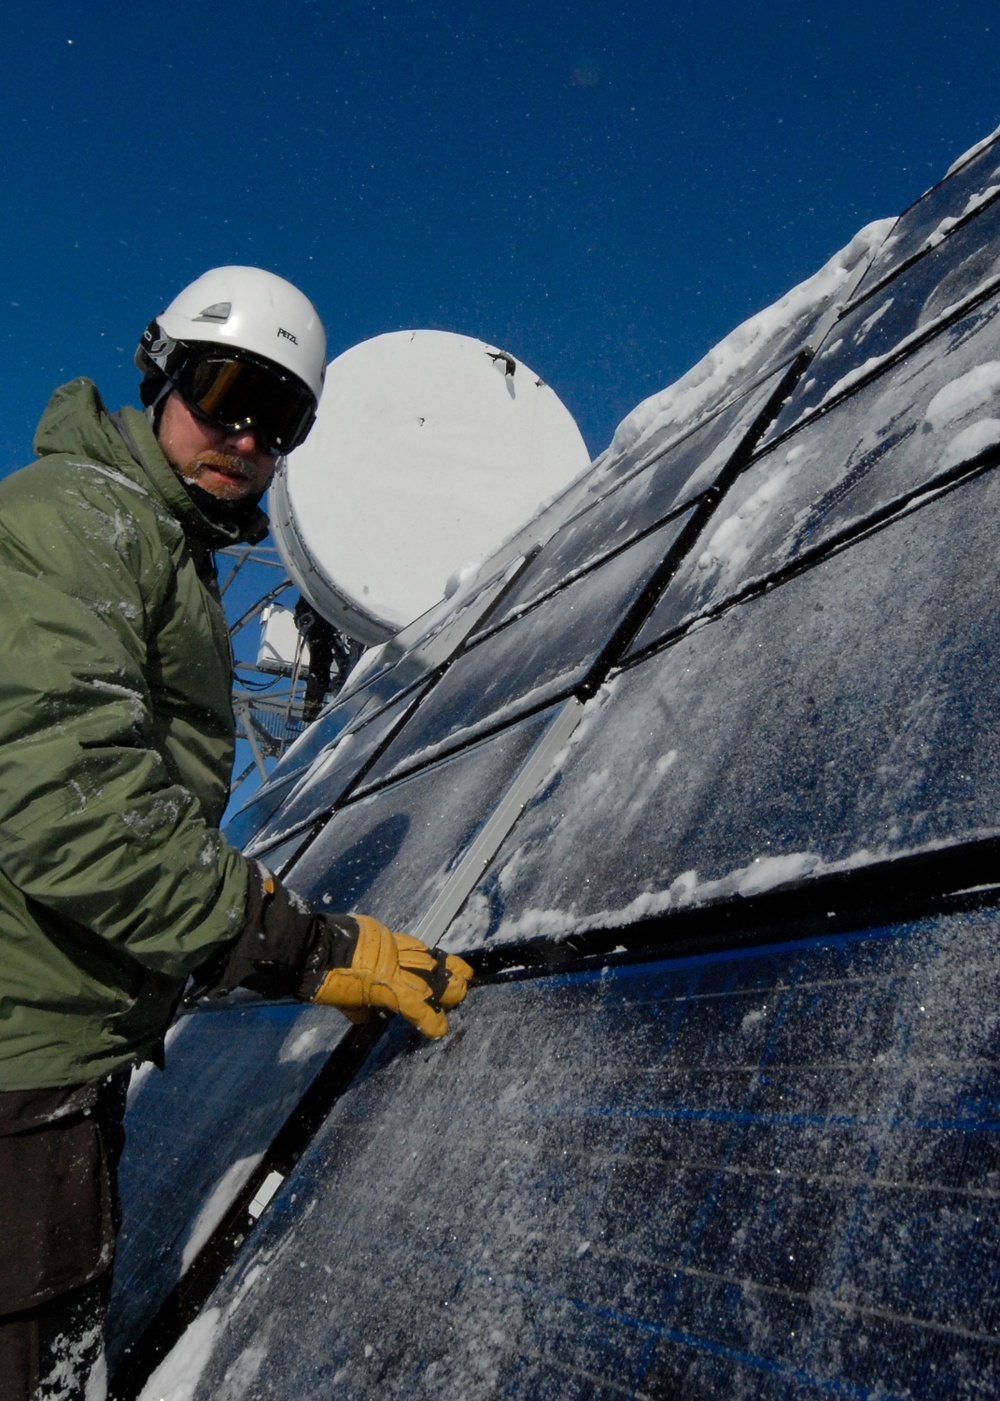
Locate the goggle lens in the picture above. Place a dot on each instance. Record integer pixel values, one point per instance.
(237, 394)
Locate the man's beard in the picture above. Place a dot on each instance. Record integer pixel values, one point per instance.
(226, 462)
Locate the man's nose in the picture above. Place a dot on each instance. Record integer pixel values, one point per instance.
(243, 441)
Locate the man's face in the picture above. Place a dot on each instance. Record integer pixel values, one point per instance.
(229, 465)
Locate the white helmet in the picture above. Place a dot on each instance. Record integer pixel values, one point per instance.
(244, 309)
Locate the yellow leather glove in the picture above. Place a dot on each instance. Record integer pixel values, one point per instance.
(288, 949)
(399, 973)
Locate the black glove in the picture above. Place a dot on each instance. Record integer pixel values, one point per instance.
(279, 935)
(288, 949)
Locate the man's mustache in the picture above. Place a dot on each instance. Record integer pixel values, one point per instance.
(229, 463)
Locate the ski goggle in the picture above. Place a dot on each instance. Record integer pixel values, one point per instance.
(236, 393)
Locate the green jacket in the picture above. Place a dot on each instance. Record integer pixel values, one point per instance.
(116, 746)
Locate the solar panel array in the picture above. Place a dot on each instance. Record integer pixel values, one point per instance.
(713, 745)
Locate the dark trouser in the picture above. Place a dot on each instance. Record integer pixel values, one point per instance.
(59, 1152)
(56, 1349)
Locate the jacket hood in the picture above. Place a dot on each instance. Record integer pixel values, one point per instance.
(77, 424)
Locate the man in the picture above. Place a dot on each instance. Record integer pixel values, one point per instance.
(116, 747)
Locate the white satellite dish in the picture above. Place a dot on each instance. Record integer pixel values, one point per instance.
(429, 450)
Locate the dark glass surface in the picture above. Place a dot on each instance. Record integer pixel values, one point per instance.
(194, 1134)
(422, 646)
(534, 659)
(266, 801)
(331, 772)
(687, 465)
(264, 808)
(278, 858)
(407, 660)
(871, 330)
(345, 711)
(635, 504)
(898, 434)
(378, 690)
(614, 521)
(389, 855)
(768, 1175)
(848, 715)
(935, 212)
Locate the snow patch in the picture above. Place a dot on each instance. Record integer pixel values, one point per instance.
(872, 320)
(852, 377)
(964, 395)
(114, 476)
(243, 1373)
(731, 541)
(762, 874)
(299, 1047)
(116, 690)
(461, 576)
(765, 872)
(180, 1371)
(218, 1203)
(208, 852)
(164, 812)
(71, 1355)
(719, 372)
(588, 713)
(972, 151)
(136, 707)
(971, 205)
(971, 442)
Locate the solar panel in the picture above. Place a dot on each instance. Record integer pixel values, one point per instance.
(684, 464)
(329, 777)
(635, 503)
(742, 1176)
(392, 851)
(195, 1134)
(434, 637)
(929, 292)
(349, 712)
(531, 661)
(897, 436)
(391, 675)
(262, 806)
(863, 694)
(927, 221)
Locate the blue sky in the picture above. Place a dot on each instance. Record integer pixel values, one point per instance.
(604, 189)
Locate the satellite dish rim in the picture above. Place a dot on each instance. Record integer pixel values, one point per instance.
(313, 583)
(532, 452)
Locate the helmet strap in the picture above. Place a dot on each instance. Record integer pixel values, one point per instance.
(154, 392)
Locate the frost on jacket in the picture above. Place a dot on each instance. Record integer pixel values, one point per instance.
(116, 746)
